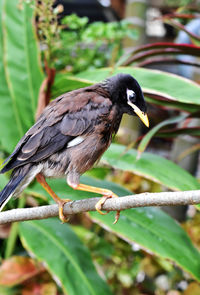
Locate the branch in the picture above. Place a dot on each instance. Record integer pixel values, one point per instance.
(45, 90)
(114, 204)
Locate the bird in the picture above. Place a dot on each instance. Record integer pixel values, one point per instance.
(71, 135)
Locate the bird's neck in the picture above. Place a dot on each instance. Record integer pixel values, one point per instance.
(117, 117)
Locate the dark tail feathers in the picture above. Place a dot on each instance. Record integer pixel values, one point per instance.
(9, 189)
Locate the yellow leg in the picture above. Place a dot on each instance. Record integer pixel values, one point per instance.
(61, 202)
(106, 195)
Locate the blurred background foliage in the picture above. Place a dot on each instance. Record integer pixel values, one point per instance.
(45, 51)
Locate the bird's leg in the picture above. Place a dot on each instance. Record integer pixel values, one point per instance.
(106, 195)
(61, 202)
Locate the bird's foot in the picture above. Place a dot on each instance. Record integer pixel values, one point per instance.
(106, 193)
(100, 203)
(61, 203)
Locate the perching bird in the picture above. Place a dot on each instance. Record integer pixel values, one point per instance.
(71, 134)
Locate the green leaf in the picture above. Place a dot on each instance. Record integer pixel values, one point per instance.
(20, 71)
(64, 83)
(155, 230)
(152, 167)
(65, 256)
(3, 181)
(148, 136)
(182, 93)
(8, 291)
(149, 227)
(153, 82)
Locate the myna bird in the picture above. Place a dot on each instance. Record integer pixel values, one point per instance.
(71, 134)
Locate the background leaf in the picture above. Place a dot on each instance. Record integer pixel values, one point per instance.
(169, 104)
(148, 136)
(149, 227)
(152, 167)
(153, 82)
(20, 71)
(155, 85)
(160, 48)
(65, 82)
(155, 230)
(67, 258)
(18, 269)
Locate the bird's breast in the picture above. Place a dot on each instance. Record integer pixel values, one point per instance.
(83, 156)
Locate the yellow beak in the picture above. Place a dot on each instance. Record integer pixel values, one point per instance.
(140, 114)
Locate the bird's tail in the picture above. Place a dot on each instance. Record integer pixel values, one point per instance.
(16, 179)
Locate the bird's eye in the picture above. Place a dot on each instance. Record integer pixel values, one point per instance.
(131, 96)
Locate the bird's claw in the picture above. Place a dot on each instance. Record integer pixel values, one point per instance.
(116, 217)
(100, 203)
(61, 205)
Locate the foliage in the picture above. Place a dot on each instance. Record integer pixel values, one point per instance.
(123, 257)
(87, 46)
(178, 2)
(182, 95)
(71, 262)
(75, 45)
(21, 76)
(143, 55)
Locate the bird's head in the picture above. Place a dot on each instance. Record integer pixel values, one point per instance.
(126, 92)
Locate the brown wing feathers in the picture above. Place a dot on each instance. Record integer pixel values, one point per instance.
(68, 116)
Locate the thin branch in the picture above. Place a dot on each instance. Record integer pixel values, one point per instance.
(114, 204)
(45, 90)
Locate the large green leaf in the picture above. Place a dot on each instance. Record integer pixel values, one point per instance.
(155, 230)
(152, 167)
(20, 71)
(65, 256)
(65, 82)
(150, 227)
(155, 84)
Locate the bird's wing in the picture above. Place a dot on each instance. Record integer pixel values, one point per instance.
(67, 117)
